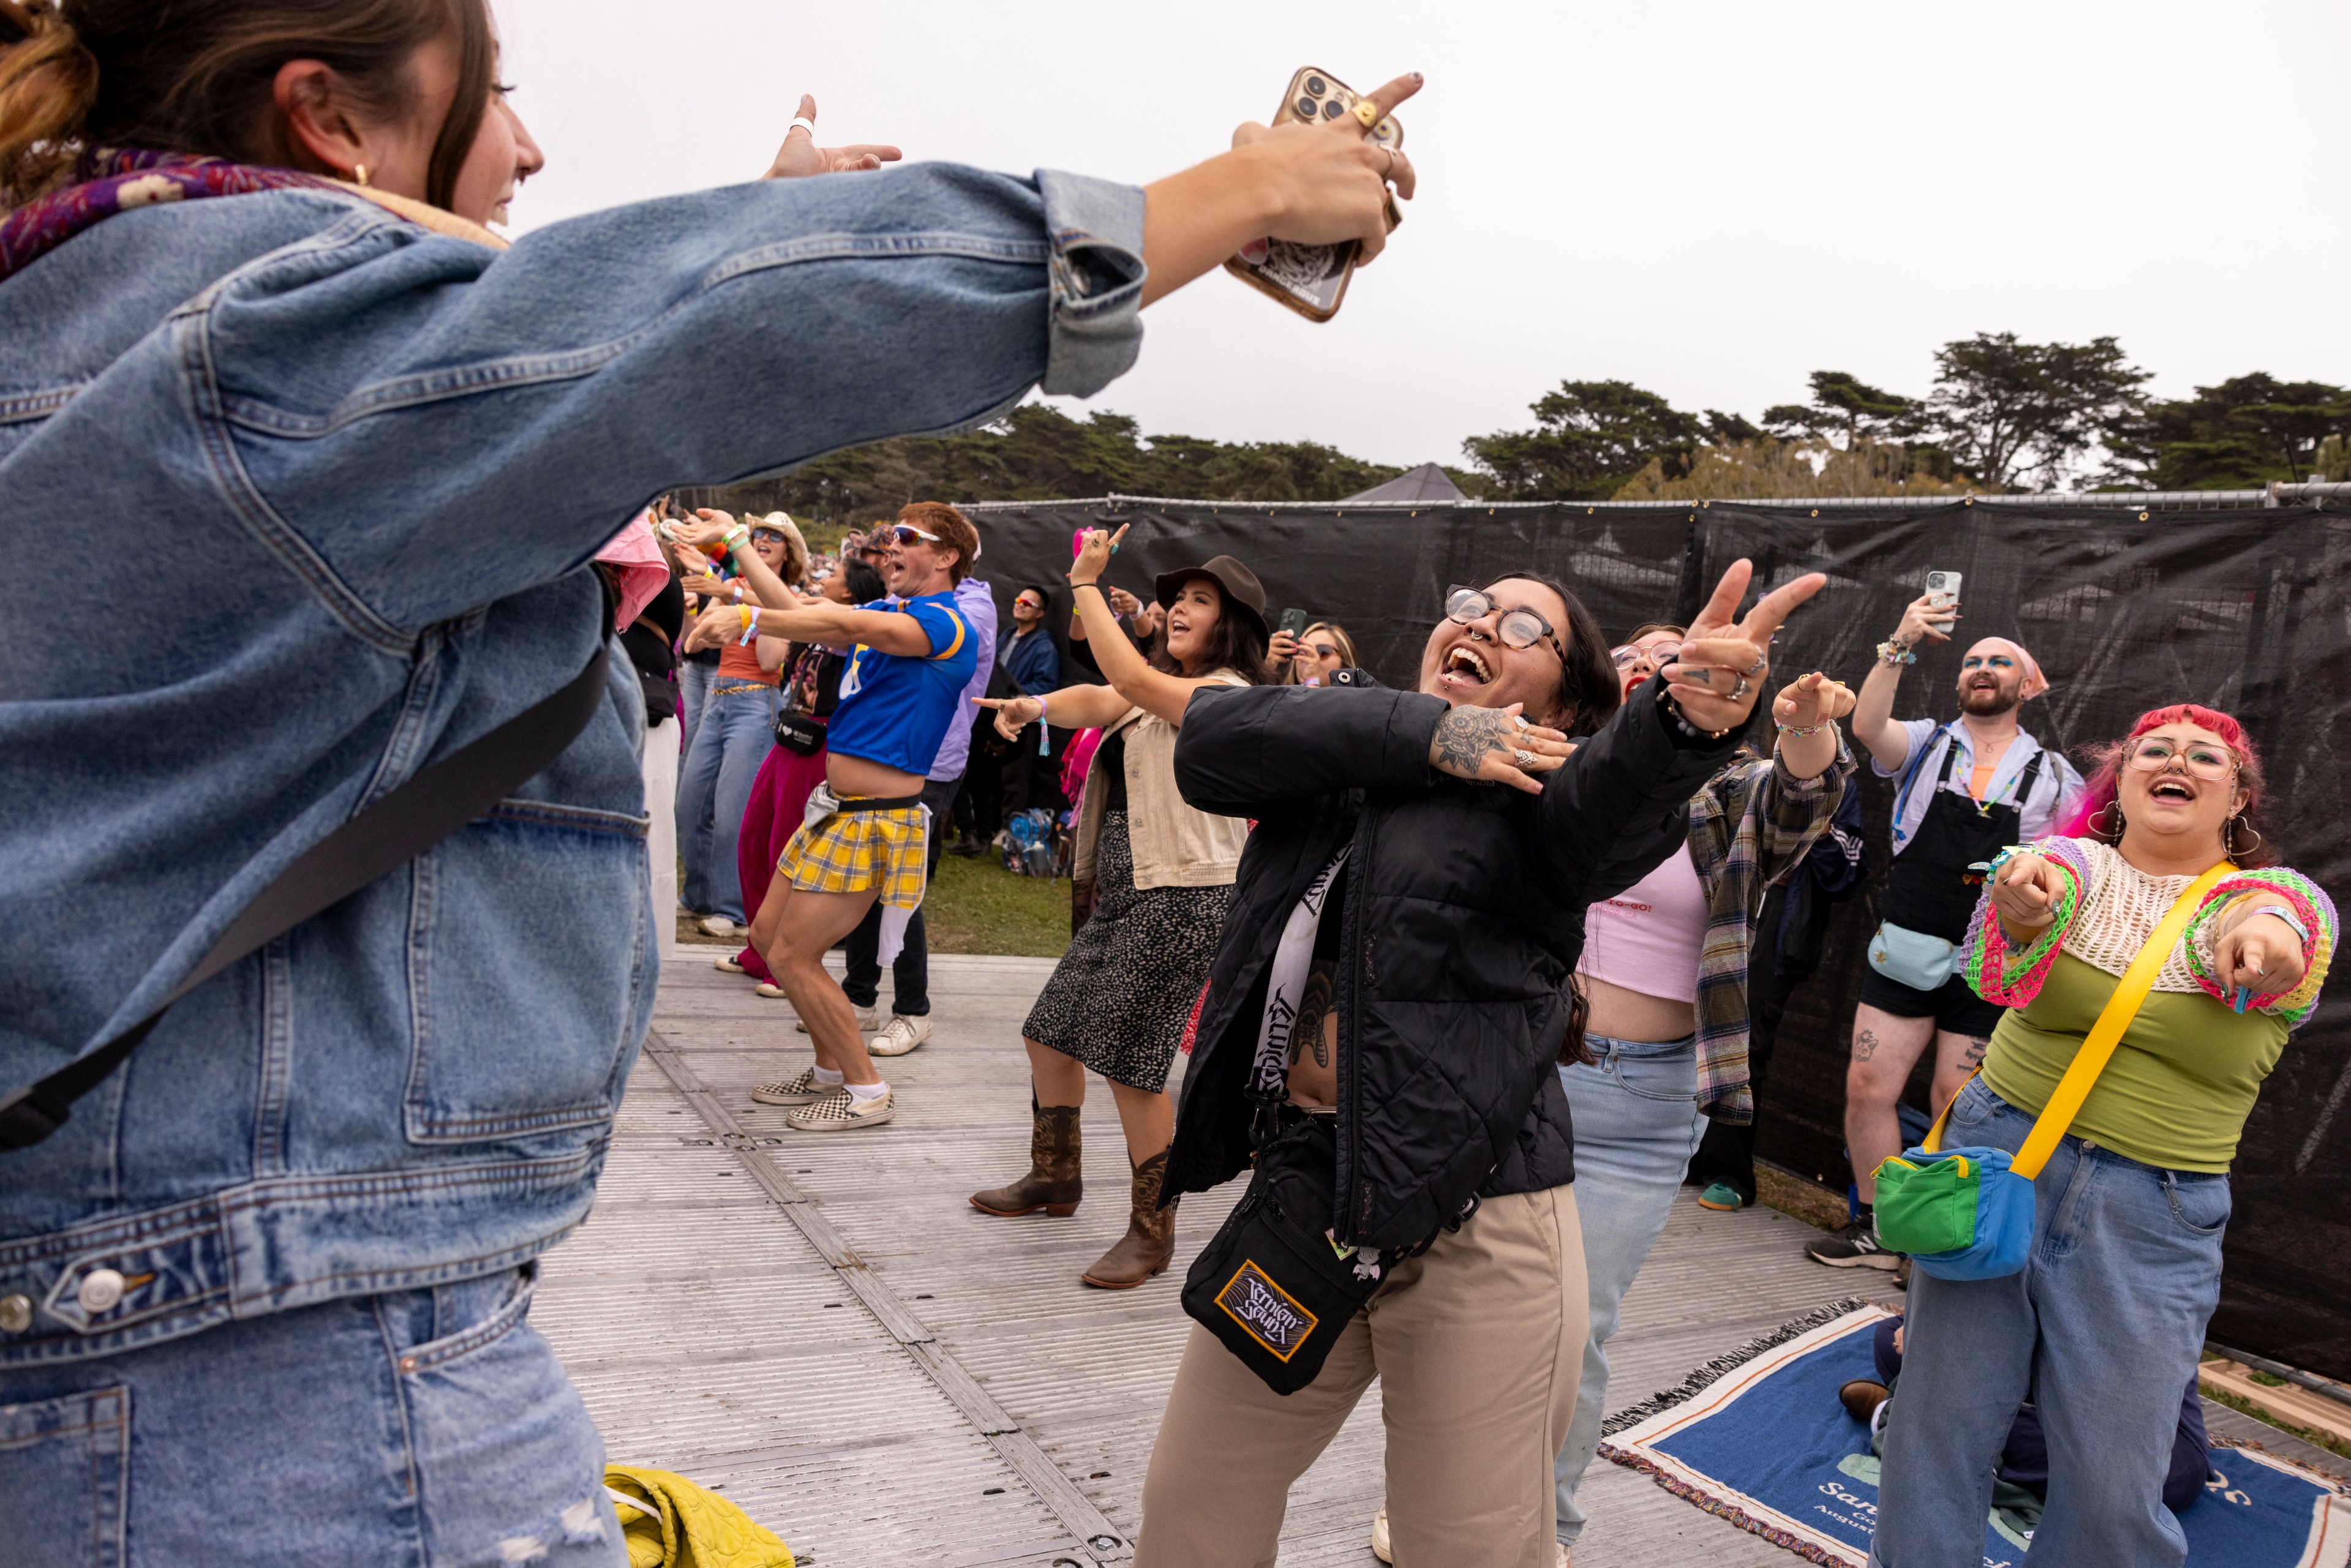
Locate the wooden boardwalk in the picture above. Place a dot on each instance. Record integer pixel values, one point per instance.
(823, 1328)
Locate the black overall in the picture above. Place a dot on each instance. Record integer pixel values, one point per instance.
(1929, 888)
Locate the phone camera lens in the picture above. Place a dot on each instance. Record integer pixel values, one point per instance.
(1333, 110)
(1317, 86)
(1305, 109)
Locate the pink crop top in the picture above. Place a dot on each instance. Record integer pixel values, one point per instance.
(1647, 938)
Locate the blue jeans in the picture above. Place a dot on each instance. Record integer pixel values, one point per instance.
(714, 786)
(2099, 1330)
(1636, 1125)
(693, 678)
(422, 1429)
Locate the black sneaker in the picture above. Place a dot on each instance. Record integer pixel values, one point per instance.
(1854, 1247)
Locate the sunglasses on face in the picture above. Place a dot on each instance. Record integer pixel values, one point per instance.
(1657, 655)
(907, 533)
(767, 536)
(1519, 628)
(2204, 761)
(1323, 649)
(1025, 602)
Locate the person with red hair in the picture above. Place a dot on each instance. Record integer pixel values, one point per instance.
(2106, 1321)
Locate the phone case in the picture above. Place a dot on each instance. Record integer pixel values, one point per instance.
(1312, 280)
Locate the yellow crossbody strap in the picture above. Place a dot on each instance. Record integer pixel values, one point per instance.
(2098, 1046)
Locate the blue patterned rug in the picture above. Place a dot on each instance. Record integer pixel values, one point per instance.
(1758, 1437)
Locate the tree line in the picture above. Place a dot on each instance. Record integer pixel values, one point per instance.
(2003, 415)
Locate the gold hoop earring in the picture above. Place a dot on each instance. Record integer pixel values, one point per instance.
(358, 173)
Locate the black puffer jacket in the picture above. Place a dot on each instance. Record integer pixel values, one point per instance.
(1463, 918)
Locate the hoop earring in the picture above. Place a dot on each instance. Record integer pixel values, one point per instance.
(358, 173)
(2229, 840)
(2099, 828)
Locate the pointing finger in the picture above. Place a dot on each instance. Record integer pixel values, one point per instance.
(1727, 594)
(1390, 94)
(807, 110)
(1766, 617)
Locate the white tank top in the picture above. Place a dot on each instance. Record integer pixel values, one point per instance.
(1648, 937)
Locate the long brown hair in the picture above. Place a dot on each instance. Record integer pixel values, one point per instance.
(200, 77)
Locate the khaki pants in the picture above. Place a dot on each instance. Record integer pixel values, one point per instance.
(1477, 1343)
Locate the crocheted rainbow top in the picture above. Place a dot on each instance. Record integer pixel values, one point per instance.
(2106, 910)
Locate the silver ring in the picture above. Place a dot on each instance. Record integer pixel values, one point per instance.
(1526, 758)
(1758, 664)
(1740, 690)
(1520, 720)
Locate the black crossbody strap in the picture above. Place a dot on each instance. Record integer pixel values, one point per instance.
(380, 840)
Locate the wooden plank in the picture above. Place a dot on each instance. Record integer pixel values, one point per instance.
(2294, 1406)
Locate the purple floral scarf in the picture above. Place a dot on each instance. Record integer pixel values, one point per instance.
(116, 180)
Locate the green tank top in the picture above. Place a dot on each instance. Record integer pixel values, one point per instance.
(2179, 1086)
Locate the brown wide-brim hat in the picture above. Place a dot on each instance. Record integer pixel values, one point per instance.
(1241, 585)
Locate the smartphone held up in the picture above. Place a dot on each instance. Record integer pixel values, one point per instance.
(1312, 280)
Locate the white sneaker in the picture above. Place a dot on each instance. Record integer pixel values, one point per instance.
(900, 1035)
(869, 1019)
(839, 1110)
(719, 925)
(802, 1090)
(728, 962)
(1385, 1552)
(771, 991)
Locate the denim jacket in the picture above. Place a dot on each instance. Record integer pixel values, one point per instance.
(349, 473)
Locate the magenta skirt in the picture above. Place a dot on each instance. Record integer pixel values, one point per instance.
(779, 796)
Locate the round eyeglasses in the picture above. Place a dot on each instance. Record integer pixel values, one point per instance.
(1519, 628)
(1659, 655)
(2201, 758)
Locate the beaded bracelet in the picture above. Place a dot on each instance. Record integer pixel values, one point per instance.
(1892, 653)
(1800, 731)
(1673, 715)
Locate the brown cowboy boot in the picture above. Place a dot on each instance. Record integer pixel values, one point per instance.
(1053, 1182)
(1150, 1239)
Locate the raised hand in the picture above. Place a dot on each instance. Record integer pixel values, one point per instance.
(2258, 956)
(1332, 181)
(800, 155)
(1093, 556)
(1013, 715)
(1810, 701)
(1723, 662)
(1922, 621)
(2024, 894)
(1497, 745)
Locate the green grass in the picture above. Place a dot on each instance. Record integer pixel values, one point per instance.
(2326, 1440)
(976, 906)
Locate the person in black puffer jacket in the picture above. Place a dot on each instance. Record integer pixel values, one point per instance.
(1430, 1022)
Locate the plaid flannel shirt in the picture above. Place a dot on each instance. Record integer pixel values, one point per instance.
(1751, 827)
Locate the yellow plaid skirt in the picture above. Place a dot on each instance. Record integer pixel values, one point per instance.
(849, 851)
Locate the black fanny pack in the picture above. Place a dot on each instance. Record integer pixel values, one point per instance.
(801, 734)
(1271, 1284)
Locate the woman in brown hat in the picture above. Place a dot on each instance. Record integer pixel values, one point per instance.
(1163, 874)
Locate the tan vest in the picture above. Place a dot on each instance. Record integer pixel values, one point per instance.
(1175, 845)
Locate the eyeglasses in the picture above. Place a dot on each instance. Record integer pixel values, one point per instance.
(1659, 655)
(1519, 628)
(907, 533)
(2203, 760)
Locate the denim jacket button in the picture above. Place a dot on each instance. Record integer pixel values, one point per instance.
(101, 1290)
(16, 1312)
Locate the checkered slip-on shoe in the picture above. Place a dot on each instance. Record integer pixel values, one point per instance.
(803, 1090)
(839, 1110)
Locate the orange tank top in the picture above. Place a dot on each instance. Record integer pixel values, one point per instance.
(740, 662)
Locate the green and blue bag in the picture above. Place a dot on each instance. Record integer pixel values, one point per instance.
(1968, 1214)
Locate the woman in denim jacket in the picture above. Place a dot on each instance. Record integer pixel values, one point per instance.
(251, 317)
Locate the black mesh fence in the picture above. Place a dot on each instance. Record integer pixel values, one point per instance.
(2248, 611)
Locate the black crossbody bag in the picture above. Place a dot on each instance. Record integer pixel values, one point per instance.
(377, 842)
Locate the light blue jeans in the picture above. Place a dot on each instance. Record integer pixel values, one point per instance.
(435, 1429)
(1636, 1125)
(714, 786)
(693, 678)
(2101, 1329)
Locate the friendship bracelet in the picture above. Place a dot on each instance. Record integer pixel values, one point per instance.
(2281, 912)
(1892, 653)
(1800, 731)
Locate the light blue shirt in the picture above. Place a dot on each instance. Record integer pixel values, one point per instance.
(2053, 792)
(977, 602)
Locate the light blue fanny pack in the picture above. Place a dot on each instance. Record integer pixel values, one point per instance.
(1910, 958)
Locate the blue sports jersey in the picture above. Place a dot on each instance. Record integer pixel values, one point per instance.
(895, 710)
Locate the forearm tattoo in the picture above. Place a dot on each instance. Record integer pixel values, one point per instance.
(1465, 735)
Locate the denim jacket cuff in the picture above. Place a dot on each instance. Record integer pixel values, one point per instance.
(1095, 329)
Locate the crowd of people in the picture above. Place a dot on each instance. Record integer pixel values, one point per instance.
(1472, 973)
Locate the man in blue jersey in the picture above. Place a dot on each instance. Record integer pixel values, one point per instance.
(864, 837)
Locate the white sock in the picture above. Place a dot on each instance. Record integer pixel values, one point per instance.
(861, 1092)
(830, 1077)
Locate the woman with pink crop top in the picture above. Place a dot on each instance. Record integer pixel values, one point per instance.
(1664, 974)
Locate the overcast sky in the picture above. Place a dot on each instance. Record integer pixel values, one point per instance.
(1709, 200)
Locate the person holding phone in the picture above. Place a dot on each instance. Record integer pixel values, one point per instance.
(1163, 872)
(1964, 790)
(1313, 653)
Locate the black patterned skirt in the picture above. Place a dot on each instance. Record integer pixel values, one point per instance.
(1120, 995)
